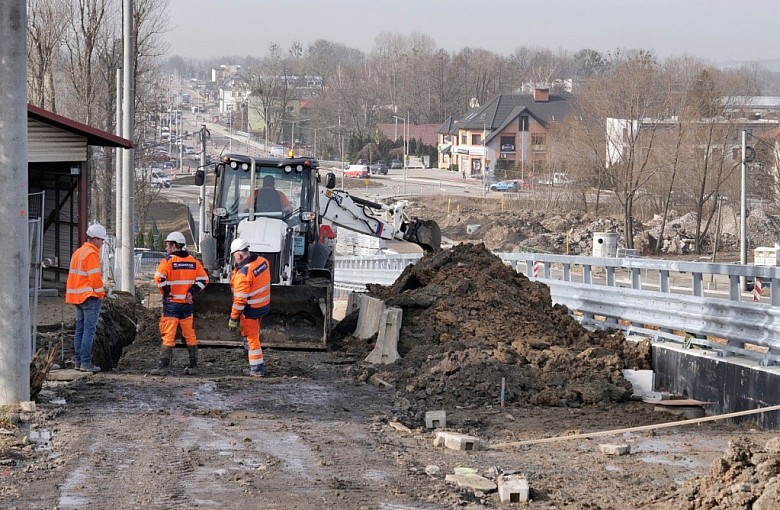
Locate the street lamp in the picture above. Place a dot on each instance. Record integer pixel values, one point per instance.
(406, 140)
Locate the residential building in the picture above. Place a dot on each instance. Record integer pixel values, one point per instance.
(512, 130)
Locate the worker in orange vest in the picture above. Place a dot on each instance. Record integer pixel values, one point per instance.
(84, 289)
(251, 284)
(179, 277)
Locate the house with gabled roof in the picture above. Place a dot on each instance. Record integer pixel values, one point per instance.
(512, 130)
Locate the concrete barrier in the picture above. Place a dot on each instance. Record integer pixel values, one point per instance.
(369, 318)
(386, 348)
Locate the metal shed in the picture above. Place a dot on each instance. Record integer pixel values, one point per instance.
(57, 166)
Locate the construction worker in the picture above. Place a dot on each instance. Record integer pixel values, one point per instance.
(84, 289)
(251, 284)
(179, 276)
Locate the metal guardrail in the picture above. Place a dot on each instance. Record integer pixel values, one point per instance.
(694, 303)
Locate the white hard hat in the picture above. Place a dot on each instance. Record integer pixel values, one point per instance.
(176, 237)
(96, 230)
(238, 244)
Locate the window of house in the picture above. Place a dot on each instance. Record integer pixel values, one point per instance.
(523, 123)
(507, 144)
(476, 139)
(463, 139)
(735, 154)
(537, 142)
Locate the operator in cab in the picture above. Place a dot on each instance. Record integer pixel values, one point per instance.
(270, 199)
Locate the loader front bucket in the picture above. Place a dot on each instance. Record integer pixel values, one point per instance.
(300, 317)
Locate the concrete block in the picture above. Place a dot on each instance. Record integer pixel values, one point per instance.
(455, 441)
(435, 419)
(513, 489)
(386, 348)
(643, 381)
(370, 315)
(615, 449)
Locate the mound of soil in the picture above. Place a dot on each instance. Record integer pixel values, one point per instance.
(747, 476)
(470, 321)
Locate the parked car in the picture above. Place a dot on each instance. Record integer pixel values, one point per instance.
(159, 179)
(396, 163)
(357, 171)
(170, 164)
(504, 186)
(380, 167)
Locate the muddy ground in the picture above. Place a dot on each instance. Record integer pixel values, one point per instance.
(327, 430)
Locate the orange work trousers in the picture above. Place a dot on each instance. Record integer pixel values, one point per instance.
(168, 327)
(250, 328)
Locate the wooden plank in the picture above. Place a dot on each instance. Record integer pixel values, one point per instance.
(643, 428)
(66, 374)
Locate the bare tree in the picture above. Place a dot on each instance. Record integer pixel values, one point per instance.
(45, 31)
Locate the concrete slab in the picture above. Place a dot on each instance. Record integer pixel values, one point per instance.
(513, 489)
(472, 482)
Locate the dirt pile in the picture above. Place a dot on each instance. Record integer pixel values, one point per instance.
(747, 476)
(470, 321)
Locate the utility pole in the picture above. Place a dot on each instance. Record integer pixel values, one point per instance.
(743, 208)
(204, 133)
(15, 342)
(118, 180)
(128, 165)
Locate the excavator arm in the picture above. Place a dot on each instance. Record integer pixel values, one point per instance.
(337, 207)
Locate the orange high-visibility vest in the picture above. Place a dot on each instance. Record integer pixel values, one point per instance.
(178, 274)
(251, 284)
(85, 280)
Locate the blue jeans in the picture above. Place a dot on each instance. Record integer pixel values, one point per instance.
(87, 314)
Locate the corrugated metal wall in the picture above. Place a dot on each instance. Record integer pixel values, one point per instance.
(47, 144)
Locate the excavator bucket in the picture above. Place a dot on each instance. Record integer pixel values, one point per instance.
(300, 317)
(425, 233)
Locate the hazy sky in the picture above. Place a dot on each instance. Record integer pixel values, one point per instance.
(715, 30)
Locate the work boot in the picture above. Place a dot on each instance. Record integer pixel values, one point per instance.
(192, 369)
(257, 370)
(88, 367)
(164, 363)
